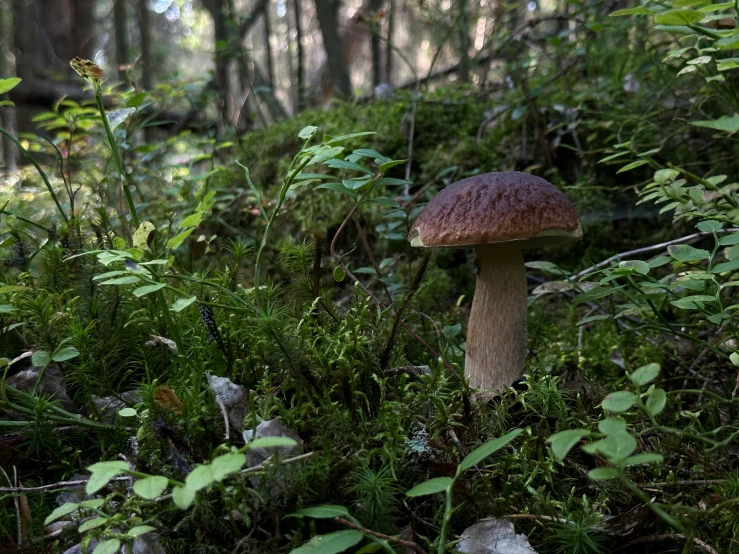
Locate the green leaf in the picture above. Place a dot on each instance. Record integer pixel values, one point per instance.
(343, 164)
(656, 401)
(102, 473)
(595, 294)
(150, 487)
(644, 458)
(727, 64)
(734, 357)
(338, 187)
(92, 523)
(725, 266)
(350, 136)
(632, 165)
(182, 303)
(482, 452)
(640, 10)
(7, 85)
(227, 463)
(327, 511)
(111, 546)
(612, 425)
(645, 374)
(693, 302)
(709, 226)
(339, 274)
(602, 473)
(140, 530)
(619, 401)
(128, 280)
(200, 477)
(678, 17)
(176, 241)
(564, 441)
(325, 153)
(729, 240)
(127, 412)
(65, 353)
(331, 543)
(307, 132)
(148, 289)
(183, 497)
(192, 220)
(432, 486)
(686, 253)
(93, 503)
(41, 358)
(61, 511)
(723, 123)
(272, 442)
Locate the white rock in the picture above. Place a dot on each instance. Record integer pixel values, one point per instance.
(493, 536)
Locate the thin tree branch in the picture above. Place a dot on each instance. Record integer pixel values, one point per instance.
(407, 544)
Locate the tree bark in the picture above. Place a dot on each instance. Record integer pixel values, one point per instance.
(375, 6)
(464, 42)
(10, 153)
(388, 46)
(300, 63)
(120, 23)
(327, 13)
(267, 48)
(147, 68)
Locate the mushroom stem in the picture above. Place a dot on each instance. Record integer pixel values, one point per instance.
(496, 336)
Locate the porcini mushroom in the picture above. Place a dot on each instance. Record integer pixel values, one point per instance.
(498, 214)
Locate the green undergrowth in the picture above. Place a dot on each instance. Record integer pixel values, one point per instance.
(278, 259)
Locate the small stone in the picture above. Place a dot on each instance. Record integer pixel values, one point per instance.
(51, 384)
(493, 536)
(257, 456)
(235, 398)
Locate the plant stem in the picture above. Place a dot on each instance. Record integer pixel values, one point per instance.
(38, 168)
(117, 155)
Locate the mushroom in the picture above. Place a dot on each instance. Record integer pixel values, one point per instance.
(498, 214)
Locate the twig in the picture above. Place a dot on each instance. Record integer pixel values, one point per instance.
(528, 516)
(265, 463)
(652, 248)
(409, 369)
(54, 486)
(696, 482)
(407, 544)
(224, 413)
(655, 538)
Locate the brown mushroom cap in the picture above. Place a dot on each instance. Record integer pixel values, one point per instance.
(497, 207)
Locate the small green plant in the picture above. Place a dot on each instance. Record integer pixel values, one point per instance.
(342, 540)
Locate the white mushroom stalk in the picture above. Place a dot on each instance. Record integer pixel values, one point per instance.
(497, 337)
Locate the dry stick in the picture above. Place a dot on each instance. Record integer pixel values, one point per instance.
(697, 482)
(376, 300)
(224, 413)
(652, 248)
(654, 538)
(407, 544)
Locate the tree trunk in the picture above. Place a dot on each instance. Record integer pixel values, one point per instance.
(267, 49)
(327, 12)
(464, 42)
(10, 153)
(300, 63)
(147, 68)
(120, 22)
(375, 43)
(388, 46)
